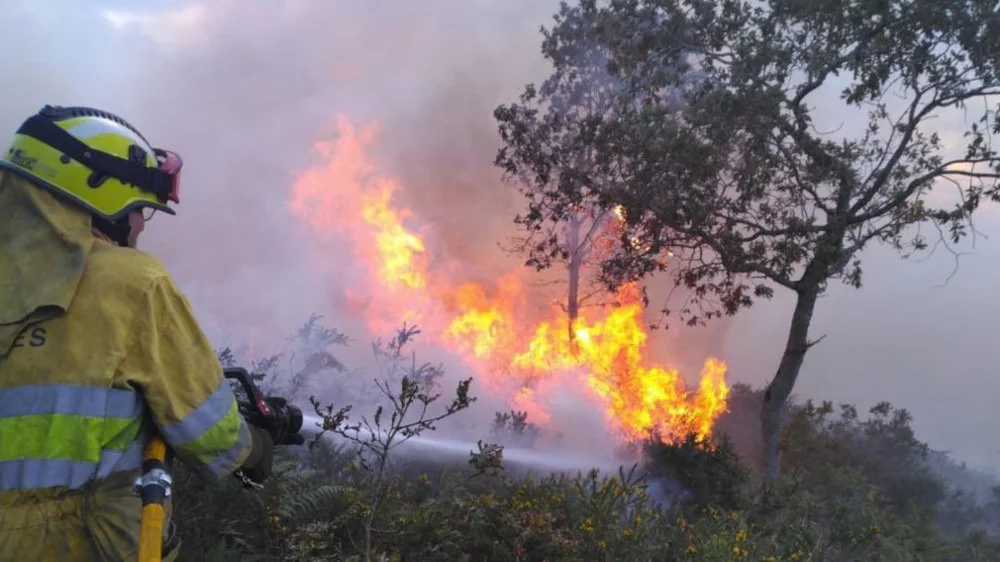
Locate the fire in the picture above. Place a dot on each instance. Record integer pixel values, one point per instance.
(398, 248)
(524, 356)
(608, 352)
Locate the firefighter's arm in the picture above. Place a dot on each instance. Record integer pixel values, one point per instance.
(173, 364)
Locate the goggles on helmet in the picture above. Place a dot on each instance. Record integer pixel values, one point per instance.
(170, 163)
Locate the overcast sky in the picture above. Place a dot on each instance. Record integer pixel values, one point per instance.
(243, 88)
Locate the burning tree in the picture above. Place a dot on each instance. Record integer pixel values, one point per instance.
(737, 180)
(577, 239)
(574, 232)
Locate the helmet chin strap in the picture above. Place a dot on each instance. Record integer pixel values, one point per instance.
(118, 231)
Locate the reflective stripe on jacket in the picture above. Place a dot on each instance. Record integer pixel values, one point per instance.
(65, 435)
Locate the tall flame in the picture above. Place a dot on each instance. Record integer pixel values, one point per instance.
(488, 325)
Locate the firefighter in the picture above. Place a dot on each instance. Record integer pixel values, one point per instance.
(98, 346)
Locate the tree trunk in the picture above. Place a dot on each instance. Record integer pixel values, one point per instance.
(784, 379)
(573, 298)
(573, 267)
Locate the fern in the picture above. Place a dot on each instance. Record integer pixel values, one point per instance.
(297, 490)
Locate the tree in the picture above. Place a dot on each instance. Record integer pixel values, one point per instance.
(577, 240)
(734, 178)
(573, 232)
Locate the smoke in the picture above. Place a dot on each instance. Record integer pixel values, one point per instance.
(244, 89)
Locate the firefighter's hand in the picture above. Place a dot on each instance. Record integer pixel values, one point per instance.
(257, 467)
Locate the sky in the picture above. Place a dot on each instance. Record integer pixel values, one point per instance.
(243, 89)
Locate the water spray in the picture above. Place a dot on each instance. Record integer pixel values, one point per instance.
(460, 450)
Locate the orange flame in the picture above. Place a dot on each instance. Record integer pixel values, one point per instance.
(398, 248)
(488, 326)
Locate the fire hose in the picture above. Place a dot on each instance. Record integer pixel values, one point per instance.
(155, 484)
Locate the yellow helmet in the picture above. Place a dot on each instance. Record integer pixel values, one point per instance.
(94, 159)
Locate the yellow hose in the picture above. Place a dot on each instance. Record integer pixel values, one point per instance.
(153, 494)
(151, 533)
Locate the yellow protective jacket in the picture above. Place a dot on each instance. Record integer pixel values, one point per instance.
(98, 348)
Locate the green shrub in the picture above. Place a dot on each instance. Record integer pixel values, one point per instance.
(705, 475)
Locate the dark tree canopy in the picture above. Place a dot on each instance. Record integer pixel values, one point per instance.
(705, 131)
(707, 136)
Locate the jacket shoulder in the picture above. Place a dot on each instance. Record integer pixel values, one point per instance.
(125, 270)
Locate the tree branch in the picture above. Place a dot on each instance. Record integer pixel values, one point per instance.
(734, 266)
(917, 183)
